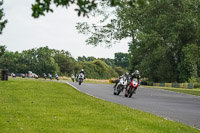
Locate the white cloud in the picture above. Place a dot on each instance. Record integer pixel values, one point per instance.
(55, 30)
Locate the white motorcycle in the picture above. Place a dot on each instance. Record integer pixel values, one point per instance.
(120, 86)
(80, 78)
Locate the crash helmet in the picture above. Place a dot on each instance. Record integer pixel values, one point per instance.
(126, 74)
(137, 73)
(82, 70)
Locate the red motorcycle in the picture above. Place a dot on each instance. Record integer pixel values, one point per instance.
(132, 87)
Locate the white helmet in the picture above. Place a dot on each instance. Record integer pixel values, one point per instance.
(82, 69)
(126, 74)
(137, 73)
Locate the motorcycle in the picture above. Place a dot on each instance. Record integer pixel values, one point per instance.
(132, 87)
(80, 78)
(72, 77)
(57, 77)
(120, 86)
(45, 76)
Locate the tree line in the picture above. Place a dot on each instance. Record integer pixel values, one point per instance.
(165, 37)
(44, 60)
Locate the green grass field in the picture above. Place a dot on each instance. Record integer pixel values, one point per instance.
(34, 106)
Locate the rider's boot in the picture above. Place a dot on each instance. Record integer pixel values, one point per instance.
(115, 85)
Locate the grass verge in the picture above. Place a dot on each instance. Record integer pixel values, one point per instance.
(195, 91)
(92, 81)
(31, 106)
(96, 81)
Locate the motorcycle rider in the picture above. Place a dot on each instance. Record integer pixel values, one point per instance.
(117, 81)
(72, 77)
(136, 74)
(82, 71)
(45, 76)
(56, 76)
(50, 76)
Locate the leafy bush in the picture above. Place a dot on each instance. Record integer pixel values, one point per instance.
(99, 70)
(197, 85)
(119, 70)
(193, 80)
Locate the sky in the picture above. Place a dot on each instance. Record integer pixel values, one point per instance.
(56, 30)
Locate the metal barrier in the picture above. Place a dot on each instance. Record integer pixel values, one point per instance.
(174, 85)
(162, 84)
(190, 86)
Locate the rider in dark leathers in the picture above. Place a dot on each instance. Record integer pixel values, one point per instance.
(83, 72)
(136, 74)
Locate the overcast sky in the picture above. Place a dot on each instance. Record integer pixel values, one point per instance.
(55, 30)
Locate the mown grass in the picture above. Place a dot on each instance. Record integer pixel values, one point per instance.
(97, 81)
(195, 91)
(92, 81)
(34, 106)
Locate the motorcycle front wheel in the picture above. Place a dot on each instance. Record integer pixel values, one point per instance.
(115, 93)
(126, 93)
(119, 89)
(131, 92)
(80, 81)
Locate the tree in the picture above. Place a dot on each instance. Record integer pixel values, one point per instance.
(159, 32)
(39, 61)
(190, 63)
(8, 61)
(65, 62)
(91, 58)
(14, 61)
(83, 6)
(84, 58)
(99, 70)
(2, 26)
(2, 21)
(160, 37)
(119, 70)
(121, 59)
(2, 50)
(108, 61)
(44, 60)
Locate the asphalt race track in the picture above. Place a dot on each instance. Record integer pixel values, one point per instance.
(174, 106)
